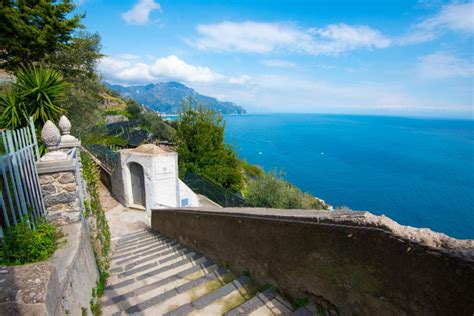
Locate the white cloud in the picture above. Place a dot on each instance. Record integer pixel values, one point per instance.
(259, 37)
(127, 69)
(279, 63)
(140, 13)
(176, 69)
(342, 37)
(441, 65)
(453, 17)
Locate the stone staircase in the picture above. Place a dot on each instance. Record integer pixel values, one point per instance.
(154, 275)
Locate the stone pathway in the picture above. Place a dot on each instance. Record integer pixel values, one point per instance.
(153, 275)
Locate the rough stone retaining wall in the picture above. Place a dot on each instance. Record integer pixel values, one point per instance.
(62, 285)
(60, 196)
(357, 262)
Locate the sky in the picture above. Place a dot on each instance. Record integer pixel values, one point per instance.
(392, 57)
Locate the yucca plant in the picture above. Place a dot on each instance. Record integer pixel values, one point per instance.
(42, 91)
(14, 113)
(38, 93)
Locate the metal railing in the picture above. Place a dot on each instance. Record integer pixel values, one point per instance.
(108, 157)
(213, 191)
(20, 190)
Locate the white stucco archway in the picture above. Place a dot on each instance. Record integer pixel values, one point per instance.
(161, 185)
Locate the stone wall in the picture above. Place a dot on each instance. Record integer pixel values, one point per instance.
(354, 262)
(60, 196)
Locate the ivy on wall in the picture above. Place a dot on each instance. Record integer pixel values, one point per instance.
(98, 227)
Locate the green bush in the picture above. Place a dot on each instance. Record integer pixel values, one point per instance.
(201, 148)
(157, 126)
(270, 190)
(38, 93)
(22, 245)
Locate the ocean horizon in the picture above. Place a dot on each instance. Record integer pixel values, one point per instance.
(418, 171)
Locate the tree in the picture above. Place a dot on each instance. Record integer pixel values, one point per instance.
(78, 59)
(159, 128)
(77, 62)
(38, 93)
(201, 148)
(30, 31)
(134, 109)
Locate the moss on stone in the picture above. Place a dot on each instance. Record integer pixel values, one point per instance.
(360, 277)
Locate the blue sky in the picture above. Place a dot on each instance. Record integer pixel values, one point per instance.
(365, 57)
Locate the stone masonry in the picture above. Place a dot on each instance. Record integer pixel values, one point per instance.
(57, 173)
(61, 197)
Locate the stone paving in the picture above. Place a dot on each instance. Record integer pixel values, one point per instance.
(154, 275)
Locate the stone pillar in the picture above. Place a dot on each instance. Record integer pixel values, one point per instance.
(67, 140)
(57, 172)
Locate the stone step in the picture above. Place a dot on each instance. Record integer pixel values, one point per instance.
(151, 255)
(189, 292)
(191, 257)
(163, 284)
(154, 275)
(121, 243)
(149, 267)
(122, 247)
(133, 250)
(267, 302)
(161, 290)
(141, 250)
(220, 300)
(277, 306)
(164, 278)
(131, 236)
(119, 286)
(139, 245)
(154, 249)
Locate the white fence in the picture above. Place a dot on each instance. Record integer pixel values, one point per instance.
(20, 190)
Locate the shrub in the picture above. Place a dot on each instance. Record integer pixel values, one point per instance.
(201, 148)
(22, 245)
(38, 93)
(157, 126)
(270, 190)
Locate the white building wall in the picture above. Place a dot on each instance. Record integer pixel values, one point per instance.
(187, 195)
(162, 185)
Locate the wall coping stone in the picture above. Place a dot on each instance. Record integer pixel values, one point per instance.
(44, 167)
(423, 237)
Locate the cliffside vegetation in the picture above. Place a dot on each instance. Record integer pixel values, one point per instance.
(202, 151)
(272, 191)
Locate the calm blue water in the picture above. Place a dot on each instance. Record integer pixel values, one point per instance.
(419, 172)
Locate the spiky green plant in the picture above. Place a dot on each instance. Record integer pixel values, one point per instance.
(38, 93)
(14, 113)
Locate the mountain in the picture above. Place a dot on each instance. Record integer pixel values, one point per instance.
(166, 97)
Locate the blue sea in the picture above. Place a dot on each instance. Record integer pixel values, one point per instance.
(419, 172)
